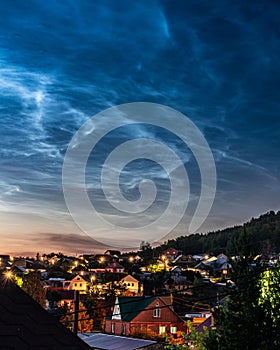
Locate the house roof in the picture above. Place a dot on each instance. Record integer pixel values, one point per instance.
(116, 253)
(114, 342)
(129, 278)
(130, 307)
(115, 265)
(205, 324)
(24, 324)
(80, 268)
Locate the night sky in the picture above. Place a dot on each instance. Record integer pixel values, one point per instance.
(61, 62)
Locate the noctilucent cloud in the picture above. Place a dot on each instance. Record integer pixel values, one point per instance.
(61, 62)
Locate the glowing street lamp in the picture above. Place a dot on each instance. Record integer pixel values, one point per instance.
(93, 279)
(9, 275)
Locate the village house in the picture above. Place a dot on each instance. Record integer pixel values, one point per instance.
(79, 283)
(150, 314)
(171, 254)
(115, 267)
(131, 284)
(113, 253)
(183, 260)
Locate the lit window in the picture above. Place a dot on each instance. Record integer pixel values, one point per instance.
(173, 330)
(162, 329)
(157, 311)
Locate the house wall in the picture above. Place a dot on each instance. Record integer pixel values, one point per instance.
(119, 327)
(147, 321)
(131, 284)
(78, 283)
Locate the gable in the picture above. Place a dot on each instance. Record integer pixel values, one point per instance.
(167, 313)
(129, 278)
(78, 278)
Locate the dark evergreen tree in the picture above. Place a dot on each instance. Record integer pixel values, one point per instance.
(243, 323)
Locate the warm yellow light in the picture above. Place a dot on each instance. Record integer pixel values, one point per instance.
(53, 261)
(76, 263)
(93, 278)
(163, 257)
(9, 274)
(102, 259)
(131, 259)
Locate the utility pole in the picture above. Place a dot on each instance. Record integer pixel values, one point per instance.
(76, 313)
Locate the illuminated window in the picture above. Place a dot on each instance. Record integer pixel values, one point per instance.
(162, 329)
(157, 311)
(173, 330)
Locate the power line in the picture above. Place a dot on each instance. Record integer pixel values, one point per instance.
(137, 300)
(168, 294)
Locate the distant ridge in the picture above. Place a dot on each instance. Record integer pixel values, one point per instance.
(263, 232)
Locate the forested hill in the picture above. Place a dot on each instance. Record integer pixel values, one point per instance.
(263, 232)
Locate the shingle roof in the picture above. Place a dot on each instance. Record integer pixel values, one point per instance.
(25, 325)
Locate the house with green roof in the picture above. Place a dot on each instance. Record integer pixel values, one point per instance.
(154, 315)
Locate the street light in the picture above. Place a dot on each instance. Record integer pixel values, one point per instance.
(9, 275)
(93, 279)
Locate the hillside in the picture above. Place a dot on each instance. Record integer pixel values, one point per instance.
(263, 232)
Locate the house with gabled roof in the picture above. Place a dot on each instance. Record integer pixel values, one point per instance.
(150, 314)
(115, 267)
(131, 284)
(113, 253)
(79, 283)
(171, 254)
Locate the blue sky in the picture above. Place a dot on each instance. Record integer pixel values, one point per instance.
(61, 62)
